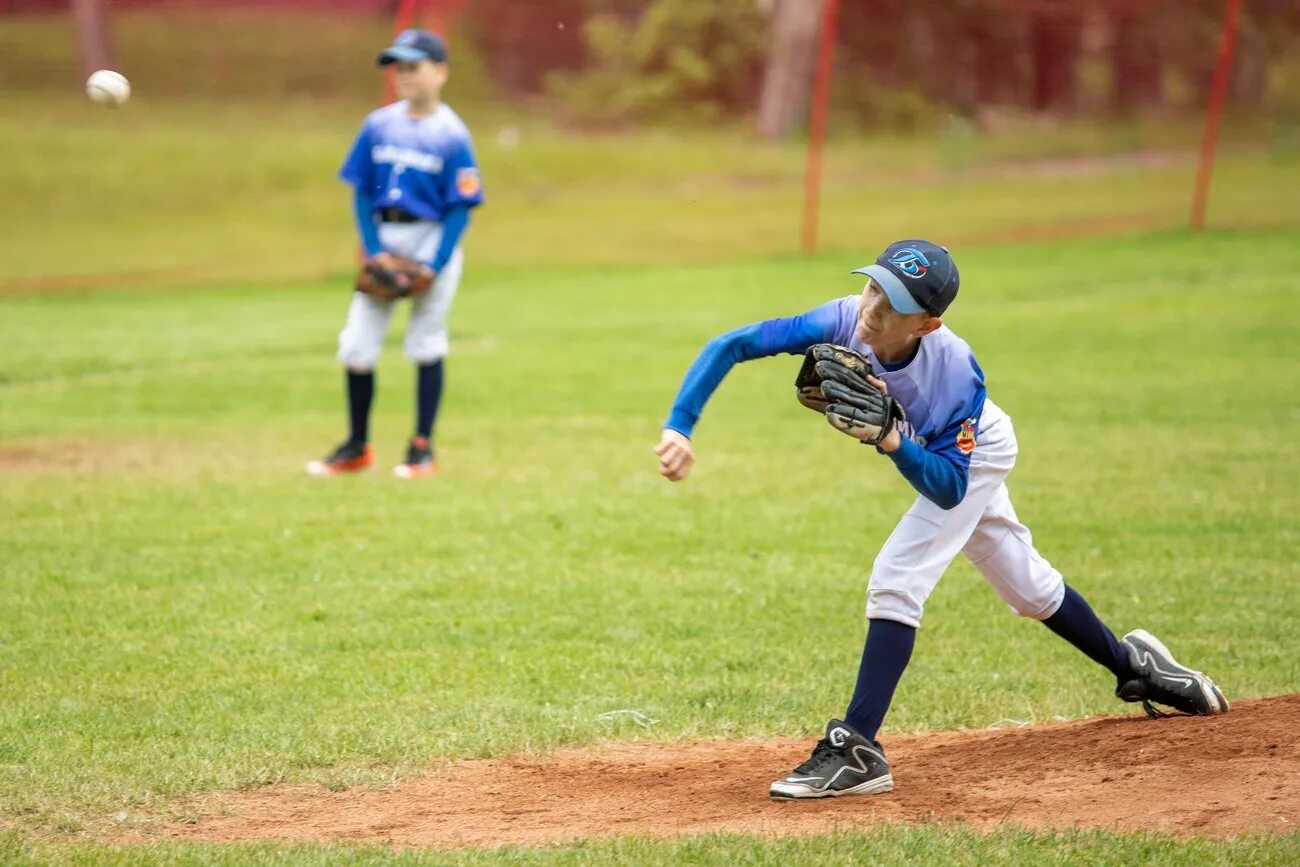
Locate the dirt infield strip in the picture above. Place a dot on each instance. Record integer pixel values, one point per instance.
(1221, 775)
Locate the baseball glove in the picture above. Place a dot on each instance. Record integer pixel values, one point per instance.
(387, 276)
(833, 381)
(826, 360)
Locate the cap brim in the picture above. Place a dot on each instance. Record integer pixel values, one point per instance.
(899, 298)
(401, 53)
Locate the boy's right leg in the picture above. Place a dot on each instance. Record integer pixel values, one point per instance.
(849, 760)
(360, 342)
(361, 393)
(427, 344)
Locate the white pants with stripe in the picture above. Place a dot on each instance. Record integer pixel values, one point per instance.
(362, 337)
(983, 526)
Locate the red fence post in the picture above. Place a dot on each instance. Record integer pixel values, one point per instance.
(94, 37)
(404, 19)
(1218, 94)
(817, 124)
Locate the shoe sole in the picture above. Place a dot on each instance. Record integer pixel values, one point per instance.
(878, 786)
(1157, 652)
(410, 471)
(321, 470)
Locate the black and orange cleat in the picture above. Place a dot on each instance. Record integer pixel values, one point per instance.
(419, 460)
(350, 457)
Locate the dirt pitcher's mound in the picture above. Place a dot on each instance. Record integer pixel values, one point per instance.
(1219, 775)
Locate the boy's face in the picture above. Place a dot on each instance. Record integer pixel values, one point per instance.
(420, 79)
(880, 323)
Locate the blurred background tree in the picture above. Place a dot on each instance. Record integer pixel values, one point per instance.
(678, 59)
(793, 28)
(899, 64)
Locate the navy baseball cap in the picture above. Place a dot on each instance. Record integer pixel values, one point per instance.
(414, 45)
(918, 276)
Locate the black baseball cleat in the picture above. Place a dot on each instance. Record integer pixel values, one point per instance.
(1160, 678)
(419, 460)
(350, 457)
(842, 763)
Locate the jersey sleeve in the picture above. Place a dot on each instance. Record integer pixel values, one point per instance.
(793, 334)
(358, 168)
(832, 322)
(363, 209)
(940, 470)
(956, 439)
(462, 184)
(454, 223)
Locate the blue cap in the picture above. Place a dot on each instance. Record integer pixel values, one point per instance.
(917, 276)
(414, 45)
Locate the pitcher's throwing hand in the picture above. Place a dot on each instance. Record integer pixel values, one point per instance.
(676, 457)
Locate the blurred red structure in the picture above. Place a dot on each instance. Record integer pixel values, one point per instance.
(436, 15)
(946, 70)
(358, 7)
(1213, 113)
(94, 38)
(817, 122)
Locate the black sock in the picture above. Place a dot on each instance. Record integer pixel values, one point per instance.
(887, 652)
(428, 394)
(361, 391)
(1076, 622)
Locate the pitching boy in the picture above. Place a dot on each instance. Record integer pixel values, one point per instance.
(884, 368)
(414, 182)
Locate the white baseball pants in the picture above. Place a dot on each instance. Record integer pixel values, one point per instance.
(983, 526)
(362, 337)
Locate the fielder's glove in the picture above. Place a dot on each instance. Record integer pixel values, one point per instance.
(833, 381)
(827, 361)
(387, 276)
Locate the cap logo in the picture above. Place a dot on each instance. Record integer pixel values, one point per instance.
(407, 37)
(911, 262)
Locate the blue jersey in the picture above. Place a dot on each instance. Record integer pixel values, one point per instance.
(425, 166)
(941, 388)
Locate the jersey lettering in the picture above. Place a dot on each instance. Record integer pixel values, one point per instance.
(404, 158)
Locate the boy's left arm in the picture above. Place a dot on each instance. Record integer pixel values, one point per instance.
(939, 470)
(940, 477)
(462, 190)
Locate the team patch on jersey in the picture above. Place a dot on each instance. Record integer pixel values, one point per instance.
(467, 182)
(966, 437)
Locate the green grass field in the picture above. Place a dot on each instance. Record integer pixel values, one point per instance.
(184, 610)
(888, 846)
(245, 191)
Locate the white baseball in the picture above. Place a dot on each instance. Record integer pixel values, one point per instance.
(107, 87)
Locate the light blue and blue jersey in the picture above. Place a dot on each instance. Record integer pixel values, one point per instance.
(424, 166)
(941, 389)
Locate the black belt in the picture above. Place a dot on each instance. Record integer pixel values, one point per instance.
(397, 215)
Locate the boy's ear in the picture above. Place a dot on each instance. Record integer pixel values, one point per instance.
(931, 323)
